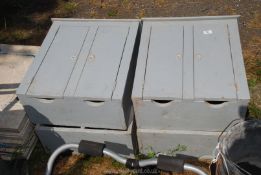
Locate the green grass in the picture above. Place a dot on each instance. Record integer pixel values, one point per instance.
(88, 161)
(254, 111)
(70, 7)
(113, 12)
(150, 152)
(178, 148)
(117, 165)
(171, 152)
(252, 83)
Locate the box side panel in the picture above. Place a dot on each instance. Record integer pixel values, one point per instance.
(51, 80)
(125, 76)
(184, 115)
(238, 62)
(163, 78)
(98, 76)
(118, 141)
(188, 143)
(213, 69)
(141, 62)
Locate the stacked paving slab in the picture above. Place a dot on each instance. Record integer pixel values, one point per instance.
(79, 85)
(190, 83)
(17, 138)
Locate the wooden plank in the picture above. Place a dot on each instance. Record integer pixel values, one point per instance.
(64, 51)
(125, 67)
(141, 62)
(75, 76)
(98, 77)
(38, 59)
(188, 74)
(238, 62)
(213, 70)
(163, 78)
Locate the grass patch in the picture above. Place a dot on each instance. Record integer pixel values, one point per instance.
(70, 7)
(21, 35)
(254, 111)
(66, 9)
(150, 152)
(88, 161)
(113, 12)
(117, 165)
(178, 148)
(252, 83)
(141, 13)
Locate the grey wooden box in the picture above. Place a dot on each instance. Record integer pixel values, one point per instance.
(122, 142)
(83, 74)
(199, 144)
(190, 74)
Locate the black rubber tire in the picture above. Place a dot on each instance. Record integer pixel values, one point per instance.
(242, 144)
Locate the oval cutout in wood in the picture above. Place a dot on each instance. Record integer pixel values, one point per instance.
(94, 103)
(162, 103)
(46, 100)
(216, 104)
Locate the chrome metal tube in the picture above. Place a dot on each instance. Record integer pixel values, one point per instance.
(194, 169)
(148, 162)
(55, 154)
(114, 155)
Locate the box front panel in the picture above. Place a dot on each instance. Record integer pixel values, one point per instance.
(186, 144)
(184, 115)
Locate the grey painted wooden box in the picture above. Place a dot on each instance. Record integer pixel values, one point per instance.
(190, 74)
(122, 142)
(83, 74)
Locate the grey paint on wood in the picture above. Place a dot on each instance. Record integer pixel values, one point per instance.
(76, 112)
(81, 73)
(188, 115)
(26, 82)
(196, 143)
(188, 63)
(213, 69)
(99, 74)
(54, 73)
(163, 77)
(141, 61)
(122, 142)
(213, 48)
(79, 65)
(211, 89)
(238, 62)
